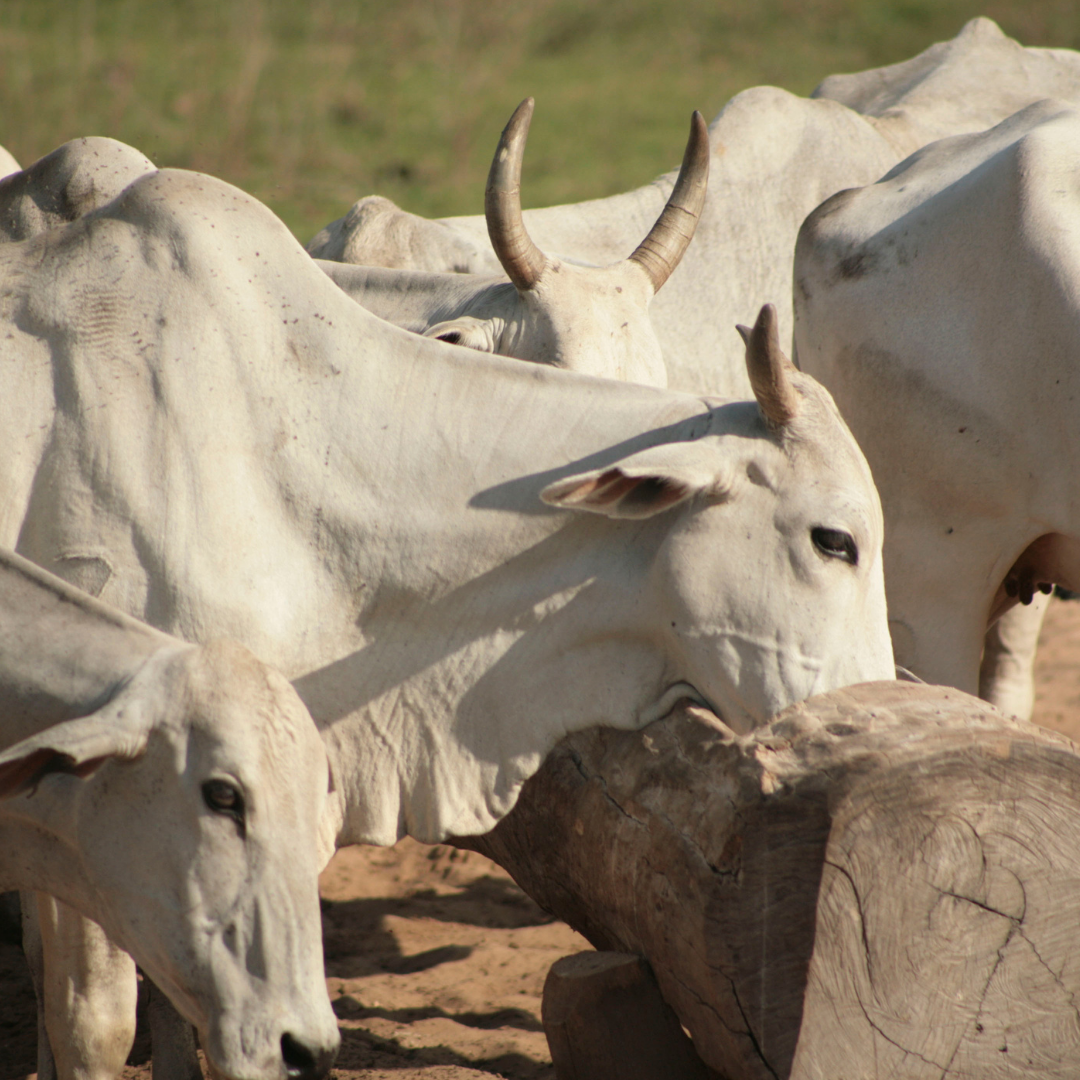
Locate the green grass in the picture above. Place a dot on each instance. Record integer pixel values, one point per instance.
(309, 105)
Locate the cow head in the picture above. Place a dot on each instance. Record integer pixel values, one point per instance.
(193, 800)
(590, 319)
(774, 572)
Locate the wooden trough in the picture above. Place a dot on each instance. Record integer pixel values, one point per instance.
(883, 882)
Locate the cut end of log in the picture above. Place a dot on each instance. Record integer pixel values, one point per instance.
(605, 1019)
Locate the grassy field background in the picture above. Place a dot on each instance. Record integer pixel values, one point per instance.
(309, 105)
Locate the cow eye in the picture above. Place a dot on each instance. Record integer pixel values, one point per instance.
(224, 798)
(835, 543)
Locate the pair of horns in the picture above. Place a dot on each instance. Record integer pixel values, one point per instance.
(658, 254)
(770, 370)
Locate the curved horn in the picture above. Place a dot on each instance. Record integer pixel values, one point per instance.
(659, 253)
(522, 260)
(770, 370)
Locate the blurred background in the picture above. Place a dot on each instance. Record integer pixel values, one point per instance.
(309, 105)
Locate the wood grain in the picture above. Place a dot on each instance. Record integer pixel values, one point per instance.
(885, 881)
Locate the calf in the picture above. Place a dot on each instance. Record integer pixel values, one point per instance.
(171, 793)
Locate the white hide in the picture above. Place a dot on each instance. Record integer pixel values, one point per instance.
(74, 179)
(247, 452)
(8, 164)
(109, 733)
(375, 229)
(594, 320)
(941, 307)
(775, 157)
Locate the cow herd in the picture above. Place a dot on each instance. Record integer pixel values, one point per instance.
(338, 460)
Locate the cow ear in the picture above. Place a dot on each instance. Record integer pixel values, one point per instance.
(468, 332)
(646, 483)
(77, 747)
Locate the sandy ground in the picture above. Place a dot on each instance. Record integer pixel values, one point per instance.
(435, 960)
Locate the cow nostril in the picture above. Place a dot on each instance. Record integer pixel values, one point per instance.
(303, 1063)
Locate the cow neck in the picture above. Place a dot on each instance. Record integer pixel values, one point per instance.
(470, 600)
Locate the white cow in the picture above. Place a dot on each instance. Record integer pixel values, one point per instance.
(589, 319)
(458, 558)
(171, 793)
(775, 157)
(942, 306)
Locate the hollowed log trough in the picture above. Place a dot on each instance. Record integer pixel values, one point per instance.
(883, 882)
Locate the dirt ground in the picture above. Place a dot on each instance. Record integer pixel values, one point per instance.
(435, 960)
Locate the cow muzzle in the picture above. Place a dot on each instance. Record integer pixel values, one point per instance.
(304, 1061)
(302, 1051)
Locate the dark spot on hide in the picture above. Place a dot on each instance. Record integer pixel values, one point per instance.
(857, 264)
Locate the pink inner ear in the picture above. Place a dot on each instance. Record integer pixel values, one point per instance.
(656, 493)
(29, 771)
(619, 495)
(599, 491)
(24, 772)
(611, 487)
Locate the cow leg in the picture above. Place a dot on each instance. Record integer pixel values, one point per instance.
(35, 959)
(90, 991)
(172, 1039)
(1007, 673)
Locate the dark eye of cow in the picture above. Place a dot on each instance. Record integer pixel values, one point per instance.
(835, 543)
(451, 337)
(224, 798)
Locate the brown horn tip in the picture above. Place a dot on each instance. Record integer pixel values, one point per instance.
(659, 253)
(522, 260)
(770, 370)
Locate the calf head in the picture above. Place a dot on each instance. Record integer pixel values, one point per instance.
(590, 319)
(193, 801)
(769, 586)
